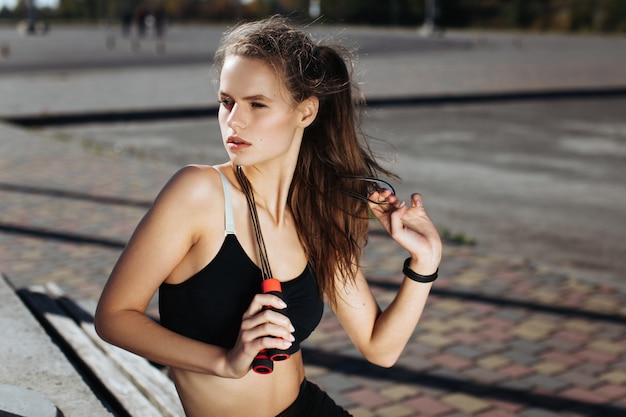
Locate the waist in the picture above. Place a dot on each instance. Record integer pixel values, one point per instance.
(255, 394)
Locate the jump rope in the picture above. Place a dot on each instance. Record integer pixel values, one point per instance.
(263, 363)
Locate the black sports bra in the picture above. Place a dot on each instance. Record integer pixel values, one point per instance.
(209, 305)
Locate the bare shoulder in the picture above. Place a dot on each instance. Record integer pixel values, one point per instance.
(193, 185)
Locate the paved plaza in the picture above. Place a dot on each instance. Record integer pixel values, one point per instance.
(501, 335)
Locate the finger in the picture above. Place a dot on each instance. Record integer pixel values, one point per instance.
(275, 343)
(261, 301)
(382, 196)
(396, 217)
(393, 201)
(270, 317)
(272, 330)
(416, 200)
(277, 318)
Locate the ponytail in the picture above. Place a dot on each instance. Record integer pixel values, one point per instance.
(332, 226)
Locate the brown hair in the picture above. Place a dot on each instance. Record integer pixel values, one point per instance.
(332, 225)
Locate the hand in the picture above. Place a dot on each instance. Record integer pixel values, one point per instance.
(261, 328)
(411, 228)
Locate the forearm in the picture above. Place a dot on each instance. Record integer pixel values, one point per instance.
(395, 325)
(137, 333)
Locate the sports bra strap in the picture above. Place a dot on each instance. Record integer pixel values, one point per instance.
(229, 218)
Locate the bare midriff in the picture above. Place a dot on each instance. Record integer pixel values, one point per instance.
(255, 394)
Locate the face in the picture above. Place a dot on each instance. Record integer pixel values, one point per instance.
(258, 121)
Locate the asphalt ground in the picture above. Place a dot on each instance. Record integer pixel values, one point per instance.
(523, 152)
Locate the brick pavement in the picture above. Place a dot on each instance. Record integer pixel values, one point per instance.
(500, 337)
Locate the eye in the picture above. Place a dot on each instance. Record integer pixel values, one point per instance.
(227, 103)
(257, 105)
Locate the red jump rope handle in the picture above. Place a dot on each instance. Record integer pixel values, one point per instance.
(263, 362)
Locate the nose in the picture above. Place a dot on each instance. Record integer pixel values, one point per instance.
(236, 118)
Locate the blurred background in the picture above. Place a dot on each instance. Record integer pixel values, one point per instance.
(602, 16)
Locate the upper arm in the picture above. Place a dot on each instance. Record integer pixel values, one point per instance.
(356, 309)
(161, 240)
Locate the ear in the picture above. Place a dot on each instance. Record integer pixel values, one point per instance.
(308, 110)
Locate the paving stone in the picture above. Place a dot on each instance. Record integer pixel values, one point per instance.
(396, 410)
(484, 376)
(534, 412)
(573, 336)
(520, 357)
(465, 403)
(527, 346)
(579, 325)
(414, 363)
(612, 334)
(531, 331)
(549, 368)
(377, 381)
(492, 346)
(466, 352)
(493, 361)
(591, 369)
(511, 315)
(495, 335)
(597, 356)
(547, 297)
(468, 338)
(496, 322)
(451, 361)
(427, 406)
(546, 382)
(579, 379)
(435, 341)
(611, 392)
(366, 397)
(614, 377)
(343, 401)
(464, 323)
(515, 371)
(450, 306)
(521, 385)
(398, 392)
(497, 413)
(361, 412)
(336, 382)
(508, 406)
(564, 358)
(583, 395)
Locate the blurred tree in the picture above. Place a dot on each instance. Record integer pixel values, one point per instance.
(615, 15)
(518, 14)
(561, 15)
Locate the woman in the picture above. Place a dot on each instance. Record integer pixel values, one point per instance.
(287, 119)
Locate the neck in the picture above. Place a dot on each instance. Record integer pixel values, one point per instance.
(270, 187)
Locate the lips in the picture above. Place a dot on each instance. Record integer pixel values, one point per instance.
(235, 142)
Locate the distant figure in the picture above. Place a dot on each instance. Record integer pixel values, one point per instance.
(31, 25)
(432, 17)
(127, 21)
(159, 22)
(31, 16)
(5, 50)
(140, 20)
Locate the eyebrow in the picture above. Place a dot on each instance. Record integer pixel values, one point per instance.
(255, 97)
